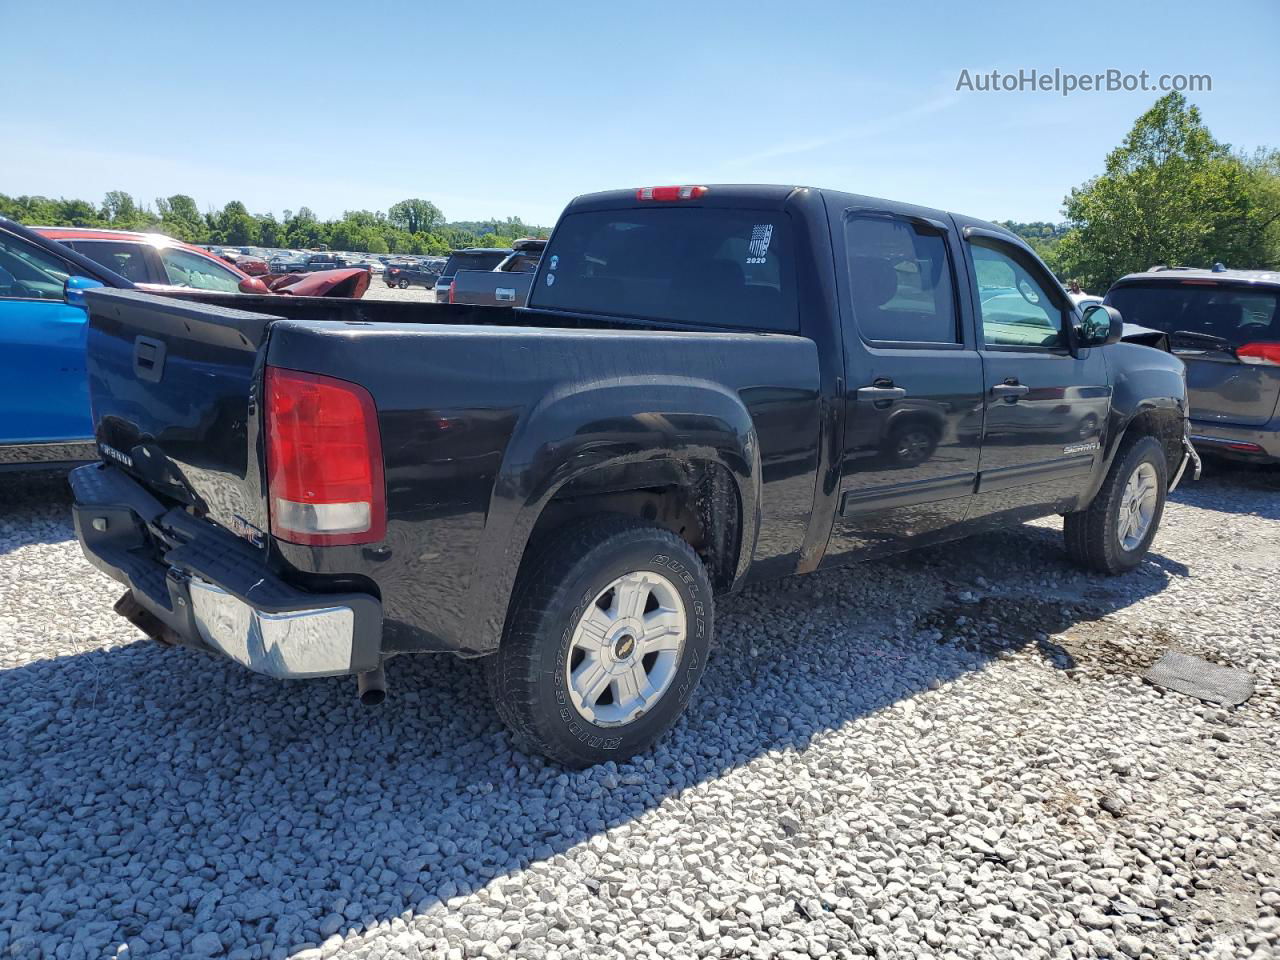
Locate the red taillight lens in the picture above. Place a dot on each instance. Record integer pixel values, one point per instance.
(1268, 353)
(670, 193)
(452, 287)
(324, 460)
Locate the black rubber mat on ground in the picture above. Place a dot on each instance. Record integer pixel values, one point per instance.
(1227, 686)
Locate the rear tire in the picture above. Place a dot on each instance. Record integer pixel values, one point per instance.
(1114, 532)
(403, 284)
(606, 640)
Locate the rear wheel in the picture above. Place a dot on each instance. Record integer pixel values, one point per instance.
(403, 284)
(606, 640)
(1114, 532)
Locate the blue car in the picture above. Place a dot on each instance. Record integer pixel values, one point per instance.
(44, 396)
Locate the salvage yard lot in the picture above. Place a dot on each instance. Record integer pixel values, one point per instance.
(943, 754)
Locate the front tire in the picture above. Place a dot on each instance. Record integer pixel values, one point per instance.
(1114, 532)
(606, 640)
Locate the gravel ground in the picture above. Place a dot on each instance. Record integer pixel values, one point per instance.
(378, 290)
(945, 754)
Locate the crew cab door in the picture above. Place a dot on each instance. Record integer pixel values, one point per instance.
(912, 391)
(1045, 406)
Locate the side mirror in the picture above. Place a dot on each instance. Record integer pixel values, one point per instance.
(1100, 325)
(253, 285)
(74, 287)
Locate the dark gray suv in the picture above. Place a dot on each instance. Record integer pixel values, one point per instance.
(1225, 325)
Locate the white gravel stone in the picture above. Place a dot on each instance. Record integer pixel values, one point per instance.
(945, 754)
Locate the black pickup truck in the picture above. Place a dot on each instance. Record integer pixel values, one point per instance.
(709, 387)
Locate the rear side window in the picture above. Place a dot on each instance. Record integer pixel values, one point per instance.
(900, 276)
(127, 259)
(694, 265)
(1235, 314)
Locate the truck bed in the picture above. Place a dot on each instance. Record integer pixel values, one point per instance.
(485, 414)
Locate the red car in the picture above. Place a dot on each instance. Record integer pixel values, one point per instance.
(156, 262)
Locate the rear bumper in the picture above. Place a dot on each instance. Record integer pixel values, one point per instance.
(204, 588)
(1257, 444)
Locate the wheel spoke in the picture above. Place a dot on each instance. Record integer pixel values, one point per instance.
(590, 680)
(594, 626)
(662, 629)
(630, 686)
(630, 596)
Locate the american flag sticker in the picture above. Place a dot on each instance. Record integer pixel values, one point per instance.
(761, 234)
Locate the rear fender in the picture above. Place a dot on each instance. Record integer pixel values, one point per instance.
(607, 424)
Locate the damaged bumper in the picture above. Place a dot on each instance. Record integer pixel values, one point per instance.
(197, 585)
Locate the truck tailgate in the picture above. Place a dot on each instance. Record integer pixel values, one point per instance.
(172, 388)
(491, 288)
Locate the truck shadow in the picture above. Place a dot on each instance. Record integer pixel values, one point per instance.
(156, 794)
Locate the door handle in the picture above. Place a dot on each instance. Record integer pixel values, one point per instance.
(881, 393)
(1010, 391)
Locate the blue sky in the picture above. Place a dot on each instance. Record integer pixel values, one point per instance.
(498, 109)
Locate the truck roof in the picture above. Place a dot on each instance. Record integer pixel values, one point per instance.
(763, 195)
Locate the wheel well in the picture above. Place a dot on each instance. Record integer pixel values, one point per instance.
(1165, 426)
(697, 501)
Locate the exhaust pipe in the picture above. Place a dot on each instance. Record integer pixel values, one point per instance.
(371, 687)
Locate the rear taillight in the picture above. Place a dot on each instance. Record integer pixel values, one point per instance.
(1265, 353)
(452, 288)
(324, 460)
(670, 193)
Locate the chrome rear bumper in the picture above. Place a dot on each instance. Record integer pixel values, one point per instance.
(203, 587)
(291, 643)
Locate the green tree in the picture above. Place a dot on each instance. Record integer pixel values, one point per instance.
(1170, 193)
(415, 216)
(180, 217)
(119, 209)
(234, 225)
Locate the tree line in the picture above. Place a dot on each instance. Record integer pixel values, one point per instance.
(411, 226)
(1170, 194)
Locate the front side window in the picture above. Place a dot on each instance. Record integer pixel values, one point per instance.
(694, 265)
(1016, 309)
(187, 269)
(29, 273)
(900, 276)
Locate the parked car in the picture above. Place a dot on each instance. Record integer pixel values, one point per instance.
(156, 262)
(323, 261)
(506, 285)
(471, 258)
(1225, 326)
(247, 264)
(44, 394)
(404, 274)
(678, 412)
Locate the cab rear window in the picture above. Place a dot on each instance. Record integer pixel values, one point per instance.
(688, 265)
